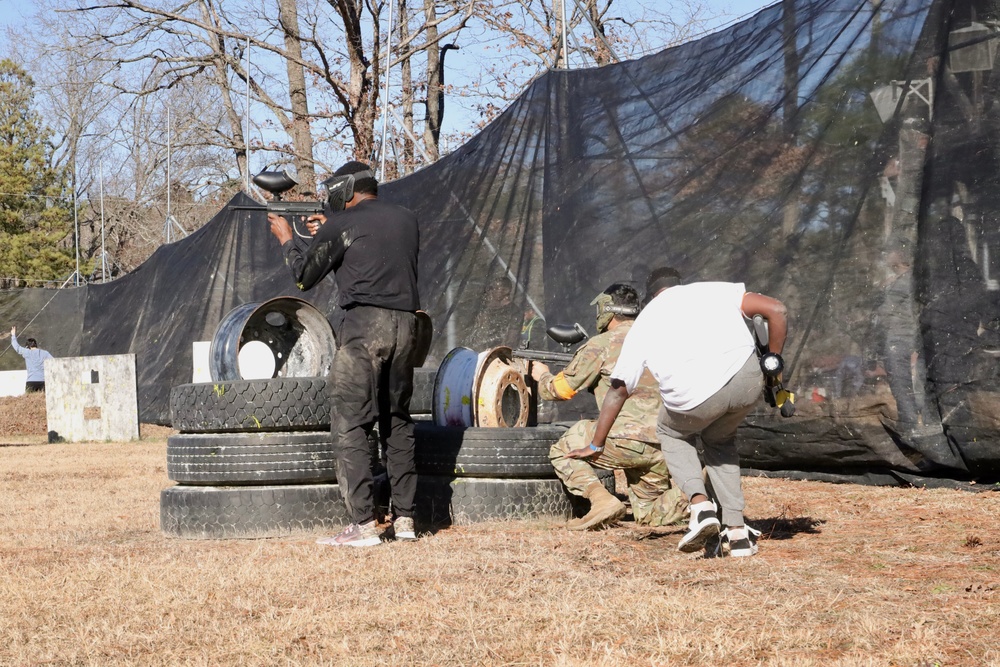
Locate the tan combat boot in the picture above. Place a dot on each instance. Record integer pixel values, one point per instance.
(604, 509)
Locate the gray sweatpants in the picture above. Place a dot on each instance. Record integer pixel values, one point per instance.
(715, 421)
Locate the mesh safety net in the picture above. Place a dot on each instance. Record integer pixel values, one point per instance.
(840, 155)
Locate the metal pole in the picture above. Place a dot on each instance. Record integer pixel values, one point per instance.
(76, 219)
(246, 135)
(104, 256)
(385, 102)
(169, 236)
(562, 4)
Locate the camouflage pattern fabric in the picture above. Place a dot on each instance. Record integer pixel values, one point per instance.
(655, 502)
(632, 444)
(591, 369)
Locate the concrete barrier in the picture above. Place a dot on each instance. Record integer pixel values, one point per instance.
(200, 355)
(12, 383)
(91, 398)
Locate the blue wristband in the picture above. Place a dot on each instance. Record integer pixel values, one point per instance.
(595, 447)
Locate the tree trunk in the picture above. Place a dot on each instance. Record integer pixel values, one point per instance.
(408, 149)
(602, 56)
(288, 17)
(559, 9)
(432, 125)
(362, 89)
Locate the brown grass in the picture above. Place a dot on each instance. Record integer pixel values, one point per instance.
(849, 576)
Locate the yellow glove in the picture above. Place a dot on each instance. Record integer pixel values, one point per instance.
(783, 395)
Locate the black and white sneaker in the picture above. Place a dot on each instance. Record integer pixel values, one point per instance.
(703, 526)
(739, 542)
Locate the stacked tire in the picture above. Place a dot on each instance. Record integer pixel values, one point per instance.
(253, 458)
(466, 475)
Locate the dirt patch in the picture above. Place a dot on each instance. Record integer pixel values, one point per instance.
(23, 415)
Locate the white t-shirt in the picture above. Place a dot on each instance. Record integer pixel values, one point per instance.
(692, 338)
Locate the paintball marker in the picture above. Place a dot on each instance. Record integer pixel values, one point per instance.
(565, 335)
(772, 365)
(296, 212)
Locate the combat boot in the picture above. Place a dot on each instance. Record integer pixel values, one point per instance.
(604, 508)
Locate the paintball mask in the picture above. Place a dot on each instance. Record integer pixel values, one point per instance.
(340, 189)
(618, 299)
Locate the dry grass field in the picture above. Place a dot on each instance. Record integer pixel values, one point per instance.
(847, 575)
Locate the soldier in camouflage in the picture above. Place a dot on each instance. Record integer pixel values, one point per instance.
(632, 446)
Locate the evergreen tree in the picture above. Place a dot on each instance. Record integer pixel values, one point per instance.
(34, 221)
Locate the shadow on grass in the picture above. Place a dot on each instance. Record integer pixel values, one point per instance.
(785, 528)
(773, 528)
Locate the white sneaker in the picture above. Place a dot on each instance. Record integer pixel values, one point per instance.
(354, 535)
(703, 526)
(741, 542)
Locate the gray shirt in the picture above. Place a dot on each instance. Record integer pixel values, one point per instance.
(34, 360)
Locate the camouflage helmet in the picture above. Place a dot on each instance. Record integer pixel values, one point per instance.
(617, 299)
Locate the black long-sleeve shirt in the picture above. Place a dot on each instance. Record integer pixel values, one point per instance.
(371, 248)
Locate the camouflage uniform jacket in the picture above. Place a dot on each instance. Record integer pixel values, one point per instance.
(591, 369)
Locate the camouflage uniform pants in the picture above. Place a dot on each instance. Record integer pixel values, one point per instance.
(655, 501)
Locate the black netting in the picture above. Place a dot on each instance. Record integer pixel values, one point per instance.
(757, 154)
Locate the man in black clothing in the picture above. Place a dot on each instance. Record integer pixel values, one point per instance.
(371, 246)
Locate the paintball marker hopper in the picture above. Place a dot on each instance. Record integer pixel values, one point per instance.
(275, 182)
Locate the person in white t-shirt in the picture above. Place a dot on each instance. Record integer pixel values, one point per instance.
(695, 341)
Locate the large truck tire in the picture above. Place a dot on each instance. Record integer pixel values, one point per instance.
(485, 452)
(240, 406)
(446, 500)
(241, 459)
(211, 513)
(276, 404)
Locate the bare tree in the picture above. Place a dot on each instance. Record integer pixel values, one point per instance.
(426, 34)
(115, 146)
(526, 35)
(197, 38)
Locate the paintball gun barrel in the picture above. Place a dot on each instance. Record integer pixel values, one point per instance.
(544, 357)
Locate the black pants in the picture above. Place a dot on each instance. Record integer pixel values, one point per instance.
(371, 380)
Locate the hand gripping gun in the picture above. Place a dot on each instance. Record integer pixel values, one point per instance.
(772, 365)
